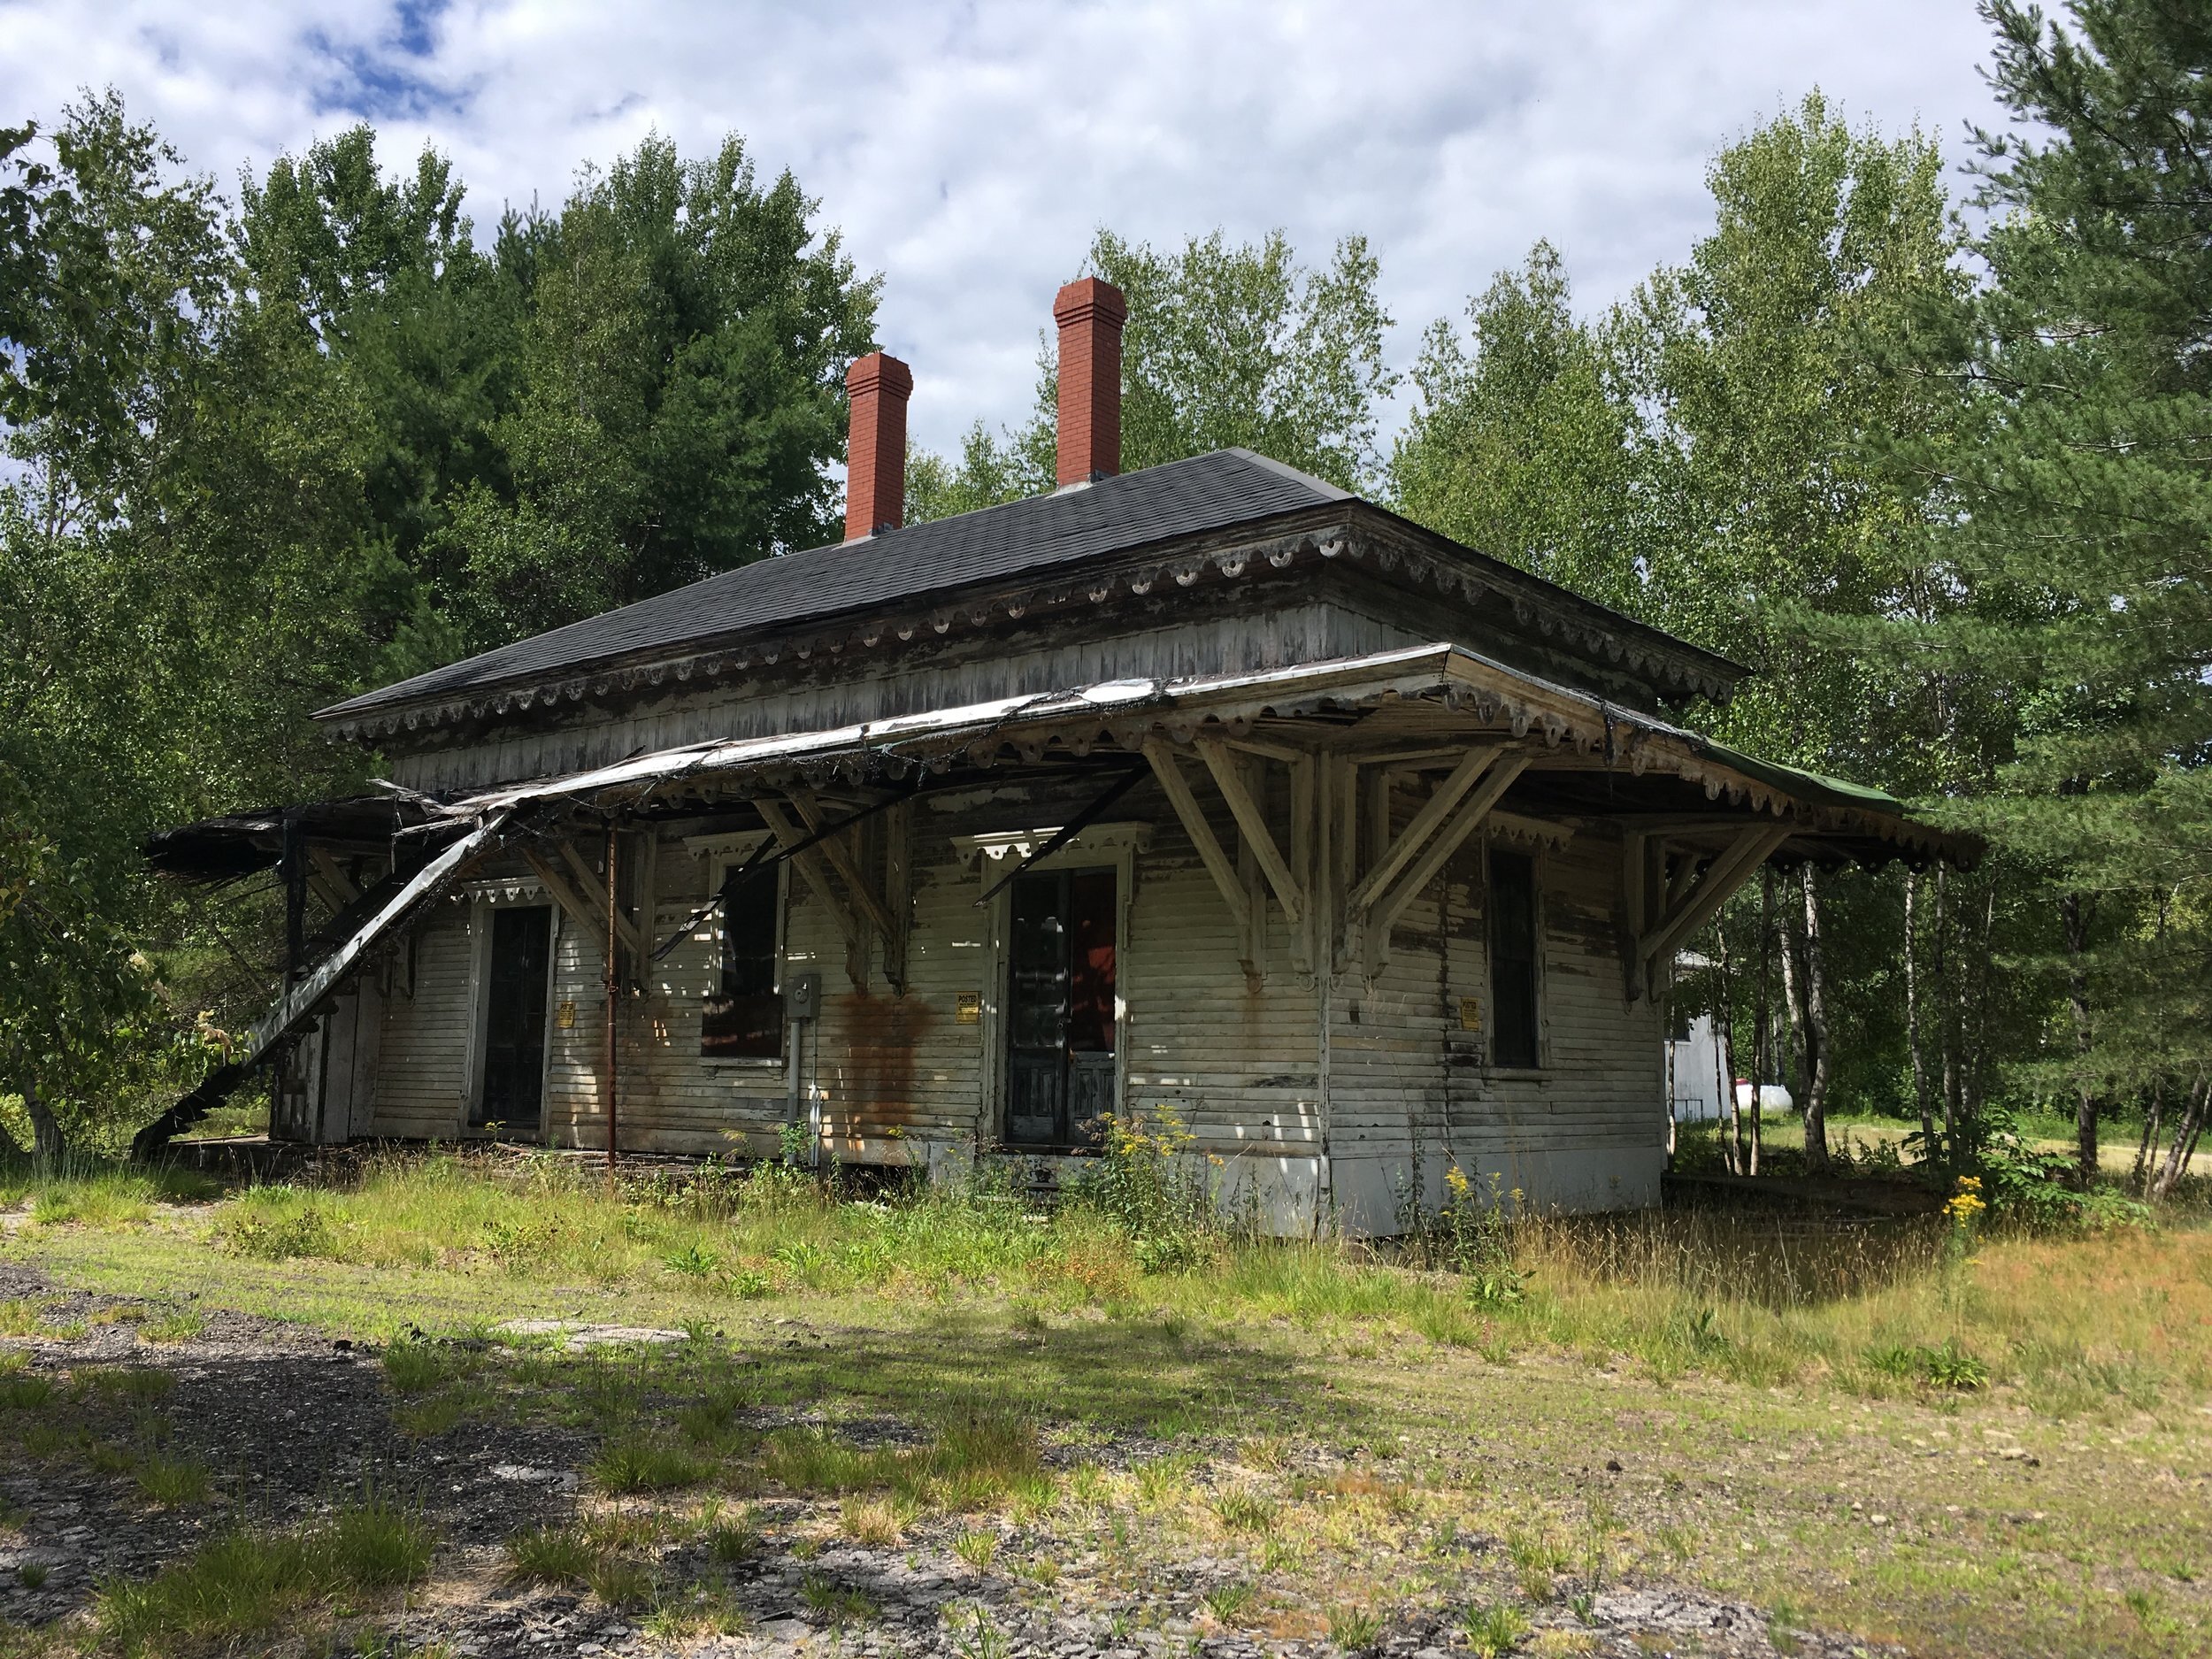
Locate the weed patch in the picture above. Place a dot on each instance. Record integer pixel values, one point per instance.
(640, 1464)
(242, 1583)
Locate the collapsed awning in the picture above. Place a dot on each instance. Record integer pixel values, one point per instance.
(300, 1003)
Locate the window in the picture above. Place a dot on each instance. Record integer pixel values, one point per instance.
(1513, 936)
(745, 1020)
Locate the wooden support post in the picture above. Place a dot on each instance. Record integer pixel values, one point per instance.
(1177, 788)
(1252, 937)
(1634, 917)
(1304, 867)
(898, 866)
(1340, 786)
(614, 1007)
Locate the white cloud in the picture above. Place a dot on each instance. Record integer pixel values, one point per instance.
(967, 150)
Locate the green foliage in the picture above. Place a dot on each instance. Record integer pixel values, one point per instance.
(2083, 498)
(1227, 346)
(260, 459)
(644, 1463)
(1492, 1631)
(1946, 1366)
(1521, 442)
(550, 1554)
(1355, 1629)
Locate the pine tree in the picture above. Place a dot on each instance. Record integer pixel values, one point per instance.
(2084, 483)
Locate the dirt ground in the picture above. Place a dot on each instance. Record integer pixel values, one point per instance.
(289, 1420)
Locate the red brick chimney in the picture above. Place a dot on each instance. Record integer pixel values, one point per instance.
(1090, 314)
(878, 387)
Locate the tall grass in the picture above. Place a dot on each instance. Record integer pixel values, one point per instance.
(82, 1190)
(2071, 1323)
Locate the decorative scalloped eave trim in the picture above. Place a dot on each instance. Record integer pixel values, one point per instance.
(1231, 562)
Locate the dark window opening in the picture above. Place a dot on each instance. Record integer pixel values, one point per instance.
(1513, 936)
(744, 1021)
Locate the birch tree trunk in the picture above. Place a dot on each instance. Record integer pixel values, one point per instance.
(1762, 1041)
(1725, 1059)
(2147, 1148)
(2190, 1124)
(1912, 1021)
(1816, 1033)
(1947, 1014)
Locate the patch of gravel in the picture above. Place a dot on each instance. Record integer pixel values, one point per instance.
(291, 1422)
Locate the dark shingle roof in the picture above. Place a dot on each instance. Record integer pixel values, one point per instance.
(1207, 492)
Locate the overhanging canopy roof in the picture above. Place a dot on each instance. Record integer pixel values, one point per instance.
(1447, 681)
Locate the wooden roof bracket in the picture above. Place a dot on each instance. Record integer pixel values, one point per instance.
(1688, 902)
(1461, 804)
(1176, 788)
(1290, 892)
(852, 928)
(587, 902)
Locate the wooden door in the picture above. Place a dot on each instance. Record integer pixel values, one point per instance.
(1060, 1008)
(514, 1018)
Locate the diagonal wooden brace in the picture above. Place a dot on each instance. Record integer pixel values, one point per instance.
(1252, 823)
(840, 859)
(811, 870)
(1169, 771)
(1446, 842)
(1690, 909)
(590, 892)
(1426, 822)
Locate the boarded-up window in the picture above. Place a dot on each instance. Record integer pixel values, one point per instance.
(745, 1021)
(1513, 975)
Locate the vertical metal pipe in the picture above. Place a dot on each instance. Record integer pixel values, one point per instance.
(614, 1004)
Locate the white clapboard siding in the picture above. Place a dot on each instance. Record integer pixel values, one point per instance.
(1383, 1085)
(423, 1062)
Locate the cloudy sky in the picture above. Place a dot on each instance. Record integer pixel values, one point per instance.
(967, 150)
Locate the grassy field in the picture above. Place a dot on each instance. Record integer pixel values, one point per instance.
(1967, 1444)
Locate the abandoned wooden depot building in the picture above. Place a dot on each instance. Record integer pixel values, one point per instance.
(1207, 789)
